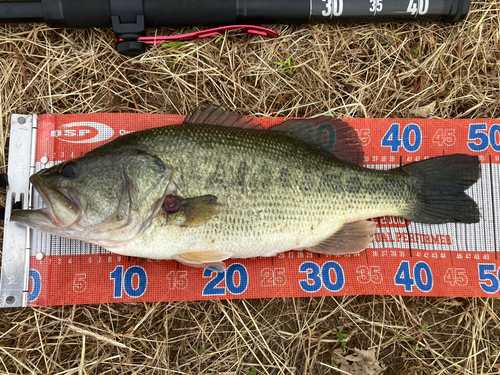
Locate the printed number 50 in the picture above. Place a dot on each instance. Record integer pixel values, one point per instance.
(489, 278)
(479, 132)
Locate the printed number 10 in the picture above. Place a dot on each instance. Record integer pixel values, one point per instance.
(125, 281)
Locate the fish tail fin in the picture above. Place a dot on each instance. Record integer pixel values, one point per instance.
(440, 185)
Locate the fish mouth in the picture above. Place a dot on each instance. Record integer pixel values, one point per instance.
(63, 208)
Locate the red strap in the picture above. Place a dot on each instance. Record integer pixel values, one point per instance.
(210, 32)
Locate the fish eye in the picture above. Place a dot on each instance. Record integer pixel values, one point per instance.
(70, 169)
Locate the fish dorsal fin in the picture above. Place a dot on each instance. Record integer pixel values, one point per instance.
(331, 134)
(217, 116)
(350, 239)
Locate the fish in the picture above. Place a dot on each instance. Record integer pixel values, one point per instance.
(217, 187)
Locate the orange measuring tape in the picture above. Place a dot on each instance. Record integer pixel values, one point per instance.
(403, 259)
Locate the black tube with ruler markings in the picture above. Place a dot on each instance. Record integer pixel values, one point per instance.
(130, 17)
(97, 13)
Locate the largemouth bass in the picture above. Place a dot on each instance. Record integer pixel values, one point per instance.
(218, 187)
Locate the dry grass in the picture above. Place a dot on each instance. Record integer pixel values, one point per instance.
(369, 71)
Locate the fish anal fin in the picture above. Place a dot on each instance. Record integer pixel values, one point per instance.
(331, 134)
(217, 116)
(212, 260)
(190, 212)
(350, 239)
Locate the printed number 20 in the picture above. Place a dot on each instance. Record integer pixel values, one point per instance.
(213, 289)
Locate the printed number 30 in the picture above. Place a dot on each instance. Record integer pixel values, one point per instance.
(333, 7)
(322, 276)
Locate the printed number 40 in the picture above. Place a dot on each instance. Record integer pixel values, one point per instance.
(411, 139)
(404, 276)
(419, 7)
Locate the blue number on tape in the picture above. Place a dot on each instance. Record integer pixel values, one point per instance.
(494, 130)
(36, 280)
(326, 276)
(331, 276)
(126, 281)
(391, 138)
(212, 288)
(330, 135)
(313, 282)
(480, 138)
(117, 276)
(417, 137)
(404, 276)
(489, 281)
(411, 138)
(422, 267)
(231, 286)
(476, 133)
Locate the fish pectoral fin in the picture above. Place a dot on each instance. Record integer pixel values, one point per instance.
(350, 239)
(212, 260)
(191, 212)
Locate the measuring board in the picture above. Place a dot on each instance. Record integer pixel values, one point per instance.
(403, 259)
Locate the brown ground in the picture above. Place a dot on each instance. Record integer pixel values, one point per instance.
(387, 70)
